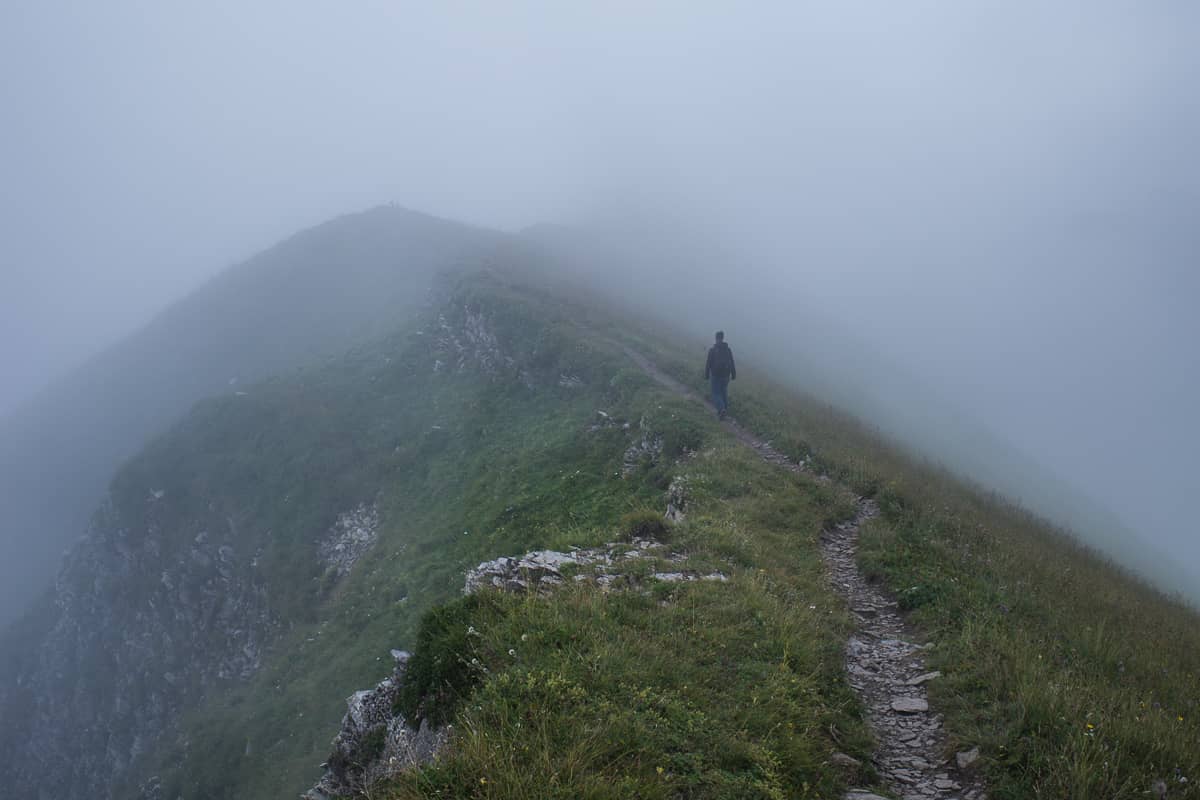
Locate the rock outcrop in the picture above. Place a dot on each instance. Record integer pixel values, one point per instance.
(376, 743)
(608, 566)
(646, 448)
(677, 499)
(349, 538)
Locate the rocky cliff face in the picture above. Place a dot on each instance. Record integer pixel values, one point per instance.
(142, 631)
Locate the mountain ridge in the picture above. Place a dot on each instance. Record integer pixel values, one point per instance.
(832, 364)
(262, 557)
(312, 294)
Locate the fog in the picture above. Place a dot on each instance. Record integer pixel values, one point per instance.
(997, 200)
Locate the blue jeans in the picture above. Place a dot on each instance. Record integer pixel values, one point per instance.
(720, 392)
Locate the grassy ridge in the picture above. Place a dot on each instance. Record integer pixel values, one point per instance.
(462, 465)
(706, 690)
(741, 696)
(1077, 679)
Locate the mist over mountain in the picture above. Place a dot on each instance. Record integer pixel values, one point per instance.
(253, 563)
(352, 277)
(438, 478)
(997, 200)
(683, 275)
(307, 297)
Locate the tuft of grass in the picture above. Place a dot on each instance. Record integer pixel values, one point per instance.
(449, 659)
(644, 523)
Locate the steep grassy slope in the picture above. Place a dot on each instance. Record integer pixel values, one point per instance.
(492, 459)
(313, 294)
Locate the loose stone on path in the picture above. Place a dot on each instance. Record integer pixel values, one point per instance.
(909, 705)
(928, 676)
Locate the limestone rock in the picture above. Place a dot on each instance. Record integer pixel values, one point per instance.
(542, 570)
(909, 705)
(676, 500)
(928, 676)
(350, 538)
(967, 758)
(375, 743)
(648, 447)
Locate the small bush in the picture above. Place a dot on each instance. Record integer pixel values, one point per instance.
(448, 661)
(626, 383)
(644, 524)
(680, 435)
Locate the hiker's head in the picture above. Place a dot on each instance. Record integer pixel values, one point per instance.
(720, 336)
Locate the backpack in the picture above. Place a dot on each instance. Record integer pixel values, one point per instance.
(722, 360)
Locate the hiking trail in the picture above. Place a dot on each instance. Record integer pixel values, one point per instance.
(884, 665)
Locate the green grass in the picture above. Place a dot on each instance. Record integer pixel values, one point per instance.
(462, 466)
(469, 466)
(705, 690)
(1076, 679)
(644, 523)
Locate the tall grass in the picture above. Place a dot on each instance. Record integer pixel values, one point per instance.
(1076, 678)
(708, 690)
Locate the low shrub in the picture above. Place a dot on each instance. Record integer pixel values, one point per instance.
(644, 523)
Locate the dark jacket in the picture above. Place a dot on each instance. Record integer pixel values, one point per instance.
(720, 366)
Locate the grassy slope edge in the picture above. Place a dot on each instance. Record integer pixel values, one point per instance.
(1076, 679)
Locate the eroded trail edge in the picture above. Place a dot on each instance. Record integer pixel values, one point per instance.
(884, 664)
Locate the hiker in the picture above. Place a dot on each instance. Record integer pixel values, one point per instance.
(720, 370)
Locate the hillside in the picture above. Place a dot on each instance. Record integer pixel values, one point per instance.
(260, 560)
(308, 297)
(685, 279)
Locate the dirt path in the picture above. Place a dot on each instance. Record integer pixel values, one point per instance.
(883, 664)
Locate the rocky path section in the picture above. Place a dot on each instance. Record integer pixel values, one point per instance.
(884, 665)
(887, 670)
(606, 566)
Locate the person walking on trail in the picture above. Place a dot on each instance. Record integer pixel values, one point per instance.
(719, 370)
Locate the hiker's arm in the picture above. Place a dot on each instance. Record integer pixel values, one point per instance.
(708, 365)
(732, 366)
